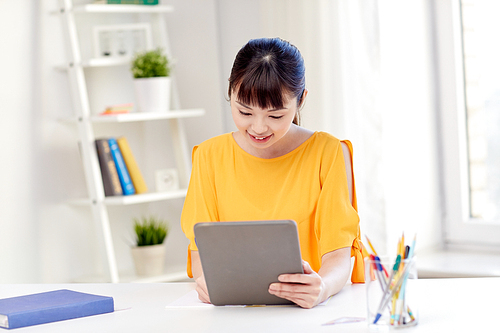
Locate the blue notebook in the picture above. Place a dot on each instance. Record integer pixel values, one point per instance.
(51, 306)
(127, 186)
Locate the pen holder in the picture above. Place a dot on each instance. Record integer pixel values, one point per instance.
(391, 293)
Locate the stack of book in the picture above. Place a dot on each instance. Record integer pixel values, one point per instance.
(120, 173)
(117, 109)
(127, 2)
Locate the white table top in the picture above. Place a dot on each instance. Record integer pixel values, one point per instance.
(446, 305)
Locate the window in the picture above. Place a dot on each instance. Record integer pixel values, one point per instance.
(469, 101)
(481, 52)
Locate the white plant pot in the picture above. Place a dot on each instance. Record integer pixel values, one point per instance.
(149, 260)
(152, 94)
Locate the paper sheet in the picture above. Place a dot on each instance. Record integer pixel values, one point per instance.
(188, 301)
(345, 320)
(191, 300)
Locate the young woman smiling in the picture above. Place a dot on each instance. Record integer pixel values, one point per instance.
(272, 168)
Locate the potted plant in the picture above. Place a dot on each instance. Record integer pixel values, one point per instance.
(149, 252)
(151, 71)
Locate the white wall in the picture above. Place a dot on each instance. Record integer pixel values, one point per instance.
(195, 43)
(18, 184)
(238, 21)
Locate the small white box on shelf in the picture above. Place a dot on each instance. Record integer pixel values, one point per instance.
(167, 180)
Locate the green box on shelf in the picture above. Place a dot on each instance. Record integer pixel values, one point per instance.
(133, 2)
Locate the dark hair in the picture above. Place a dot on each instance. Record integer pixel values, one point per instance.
(267, 70)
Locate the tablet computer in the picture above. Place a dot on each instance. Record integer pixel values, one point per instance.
(241, 259)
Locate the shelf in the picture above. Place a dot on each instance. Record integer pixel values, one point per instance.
(99, 62)
(116, 8)
(110, 61)
(124, 200)
(145, 116)
(141, 116)
(144, 198)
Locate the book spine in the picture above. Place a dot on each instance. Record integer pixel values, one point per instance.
(133, 168)
(70, 311)
(121, 168)
(110, 179)
(133, 2)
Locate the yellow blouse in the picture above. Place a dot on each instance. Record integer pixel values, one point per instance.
(307, 185)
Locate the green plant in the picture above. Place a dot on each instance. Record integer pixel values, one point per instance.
(150, 231)
(150, 64)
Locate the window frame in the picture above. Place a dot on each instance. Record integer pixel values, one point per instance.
(459, 228)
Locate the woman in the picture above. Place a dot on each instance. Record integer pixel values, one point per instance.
(272, 168)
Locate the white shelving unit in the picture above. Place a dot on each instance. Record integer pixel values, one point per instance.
(85, 121)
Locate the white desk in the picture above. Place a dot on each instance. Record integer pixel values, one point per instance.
(446, 305)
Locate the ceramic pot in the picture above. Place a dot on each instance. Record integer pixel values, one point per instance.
(152, 94)
(149, 260)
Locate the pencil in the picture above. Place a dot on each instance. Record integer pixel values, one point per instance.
(371, 246)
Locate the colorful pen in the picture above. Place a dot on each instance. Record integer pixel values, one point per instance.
(390, 293)
(378, 270)
(394, 284)
(395, 268)
(400, 304)
(412, 247)
(376, 255)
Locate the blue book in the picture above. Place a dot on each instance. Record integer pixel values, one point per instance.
(51, 306)
(127, 186)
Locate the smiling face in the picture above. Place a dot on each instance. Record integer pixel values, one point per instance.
(266, 82)
(263, 128)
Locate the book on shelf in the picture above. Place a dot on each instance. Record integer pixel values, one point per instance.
(127, 186)
(117, 109)
(110, 179)
(47, 307)
(127, 2)
(133, 169)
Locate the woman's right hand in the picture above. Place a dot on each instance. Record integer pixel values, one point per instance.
(199, 278)
(201, 289)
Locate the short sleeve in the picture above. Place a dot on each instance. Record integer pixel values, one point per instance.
(337, 220)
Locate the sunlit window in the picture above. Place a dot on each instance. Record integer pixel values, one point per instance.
(481, 53)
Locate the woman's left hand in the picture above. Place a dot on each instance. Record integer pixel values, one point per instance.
(306, 290)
